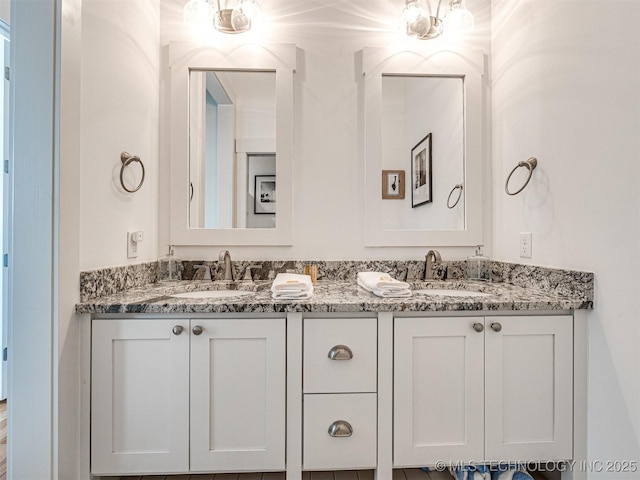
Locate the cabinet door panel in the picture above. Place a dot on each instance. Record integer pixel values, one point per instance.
(438, 390)
(139, 397)
(529, 372)
(238, 395)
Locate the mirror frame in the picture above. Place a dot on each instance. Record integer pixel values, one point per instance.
(470, 66)
(184, 57)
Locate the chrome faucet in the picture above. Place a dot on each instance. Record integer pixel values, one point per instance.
(225, 257)
(433, 256)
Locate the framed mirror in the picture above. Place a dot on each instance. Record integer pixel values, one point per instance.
(231, 124)
(423, 115)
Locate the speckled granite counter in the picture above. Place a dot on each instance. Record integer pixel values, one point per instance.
(331, 296)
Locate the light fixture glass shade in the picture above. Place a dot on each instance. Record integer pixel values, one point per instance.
(198, 13)
(412, 11)
(416, 19)
(459, 17)
(243, 14)
(239, 21)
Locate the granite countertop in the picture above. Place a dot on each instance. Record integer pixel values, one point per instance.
(329, 296)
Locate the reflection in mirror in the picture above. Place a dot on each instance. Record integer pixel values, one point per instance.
(232, 137)
(414, 107)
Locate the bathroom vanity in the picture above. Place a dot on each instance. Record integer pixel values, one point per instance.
(344, 381)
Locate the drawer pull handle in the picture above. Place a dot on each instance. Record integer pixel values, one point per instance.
(496, 327)
(197, 330)
(478, 327)
(340, 352)
(177, 330)
(340, 428)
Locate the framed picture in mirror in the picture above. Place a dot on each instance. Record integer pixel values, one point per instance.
(264, 200)
(421, 172)
(393, 184)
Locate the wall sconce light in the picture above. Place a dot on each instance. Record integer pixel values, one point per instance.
(421, 25)
(201, 13)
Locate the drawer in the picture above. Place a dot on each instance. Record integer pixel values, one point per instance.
(324, 375)
(322, 451)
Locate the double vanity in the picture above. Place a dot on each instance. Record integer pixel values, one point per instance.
(211, 376)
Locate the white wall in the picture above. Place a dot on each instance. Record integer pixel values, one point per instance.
(120, 111)
(328, 181)
(566, 89)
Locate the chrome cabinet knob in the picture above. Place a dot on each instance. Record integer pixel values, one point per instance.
(340, 428)
(496, 327)
(197, 330)
(340, 352)
(177, 330)
(478, 327)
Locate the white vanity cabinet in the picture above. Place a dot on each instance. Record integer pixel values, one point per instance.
(340, 401)
(483, 389)
(187, 395)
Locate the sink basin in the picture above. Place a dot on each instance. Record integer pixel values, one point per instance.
(212, 294)
(450, 292)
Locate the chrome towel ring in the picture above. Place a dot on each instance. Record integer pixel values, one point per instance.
(127, 159)
(531, 164)
(457, 187)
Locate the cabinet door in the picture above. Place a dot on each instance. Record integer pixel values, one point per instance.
(438, 390)
(529, 374)
(139, 397)
(238, 395)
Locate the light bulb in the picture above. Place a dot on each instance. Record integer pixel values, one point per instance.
(197, 13)
(459, 18)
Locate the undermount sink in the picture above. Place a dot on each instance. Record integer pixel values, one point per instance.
(450, 292)
(212, 294)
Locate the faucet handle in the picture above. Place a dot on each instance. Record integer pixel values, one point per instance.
(248, 277)
(207, 272)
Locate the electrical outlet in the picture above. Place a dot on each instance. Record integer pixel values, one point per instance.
(133, 239)
(525, 244)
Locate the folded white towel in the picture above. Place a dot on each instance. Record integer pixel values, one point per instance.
(382, 285)
(292, 282)
(387, 293)
(292, 286)
(380, 281)
(292, 296)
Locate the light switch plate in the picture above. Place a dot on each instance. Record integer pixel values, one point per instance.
(132, 244)
(525, 244)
